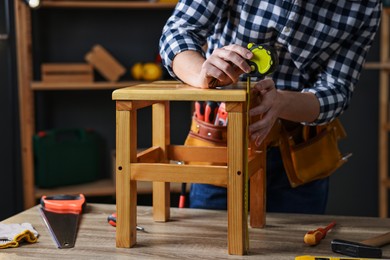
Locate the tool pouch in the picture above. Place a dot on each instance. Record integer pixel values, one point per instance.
(308, 152)
(311, 152)
(206, 134)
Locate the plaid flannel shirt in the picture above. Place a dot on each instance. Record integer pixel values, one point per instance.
(321, 44)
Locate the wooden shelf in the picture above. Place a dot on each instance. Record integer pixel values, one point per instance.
(39, 85)
(384, 123)
(377, 65)
(386, 183)
(27, 86)
(106, 4)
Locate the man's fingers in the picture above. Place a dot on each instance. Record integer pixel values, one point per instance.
(242, 51)
(235, 55)
(265, 85)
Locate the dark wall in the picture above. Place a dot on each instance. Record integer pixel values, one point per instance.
(10, 171)
(354, 187)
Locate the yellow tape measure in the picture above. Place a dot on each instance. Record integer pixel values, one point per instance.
(263, 62)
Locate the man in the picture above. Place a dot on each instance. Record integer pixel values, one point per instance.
(321, 47)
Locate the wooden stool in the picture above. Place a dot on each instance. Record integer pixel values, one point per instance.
(153, 163)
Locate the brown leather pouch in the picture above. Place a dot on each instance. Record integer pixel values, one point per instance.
(311, 152)
(308, 152)
(206, 134)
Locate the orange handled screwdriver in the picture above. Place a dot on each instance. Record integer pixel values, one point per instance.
(314, 237)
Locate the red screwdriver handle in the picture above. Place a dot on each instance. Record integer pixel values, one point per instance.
(314, 237)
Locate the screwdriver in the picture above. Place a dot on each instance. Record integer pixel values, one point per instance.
(111, 219)
(314, 237)
(210, 112)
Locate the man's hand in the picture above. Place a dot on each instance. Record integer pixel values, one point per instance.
(268, 105)
(224, 66)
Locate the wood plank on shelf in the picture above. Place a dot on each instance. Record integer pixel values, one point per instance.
(39, 85)
(107, 4)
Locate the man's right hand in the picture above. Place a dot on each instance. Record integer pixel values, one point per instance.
(225, 65)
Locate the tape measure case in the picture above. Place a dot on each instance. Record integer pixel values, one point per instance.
(66, 156)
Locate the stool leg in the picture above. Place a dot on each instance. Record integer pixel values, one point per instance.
(258, 193)
(161, 138)
(126, 190)
(238, 242)
(161, 201)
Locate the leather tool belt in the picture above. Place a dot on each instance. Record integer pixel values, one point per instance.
(308, 152)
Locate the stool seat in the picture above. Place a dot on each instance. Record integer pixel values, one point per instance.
(233, 171)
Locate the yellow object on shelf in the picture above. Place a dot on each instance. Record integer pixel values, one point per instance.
(149, 71)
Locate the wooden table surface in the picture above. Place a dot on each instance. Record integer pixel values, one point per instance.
(193, 234)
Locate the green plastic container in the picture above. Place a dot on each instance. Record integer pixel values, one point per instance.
(66, 156)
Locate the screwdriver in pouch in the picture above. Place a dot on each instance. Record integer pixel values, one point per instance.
(199, 110)
(211, 112)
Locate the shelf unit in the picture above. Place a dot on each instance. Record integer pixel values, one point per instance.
(27, 87)
(384, 116)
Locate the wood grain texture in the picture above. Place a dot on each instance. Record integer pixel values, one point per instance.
(383, 145)
(216, 175)
(102, 60)
(163, 90)
(196, 234)
(126, 190)
(161, 138)
(26, 97)
(66, 72)
(237, 179)
(234, 175)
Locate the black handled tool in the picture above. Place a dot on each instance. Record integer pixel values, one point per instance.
(369, 248)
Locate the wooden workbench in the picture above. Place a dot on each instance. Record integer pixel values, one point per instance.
(193, 234)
